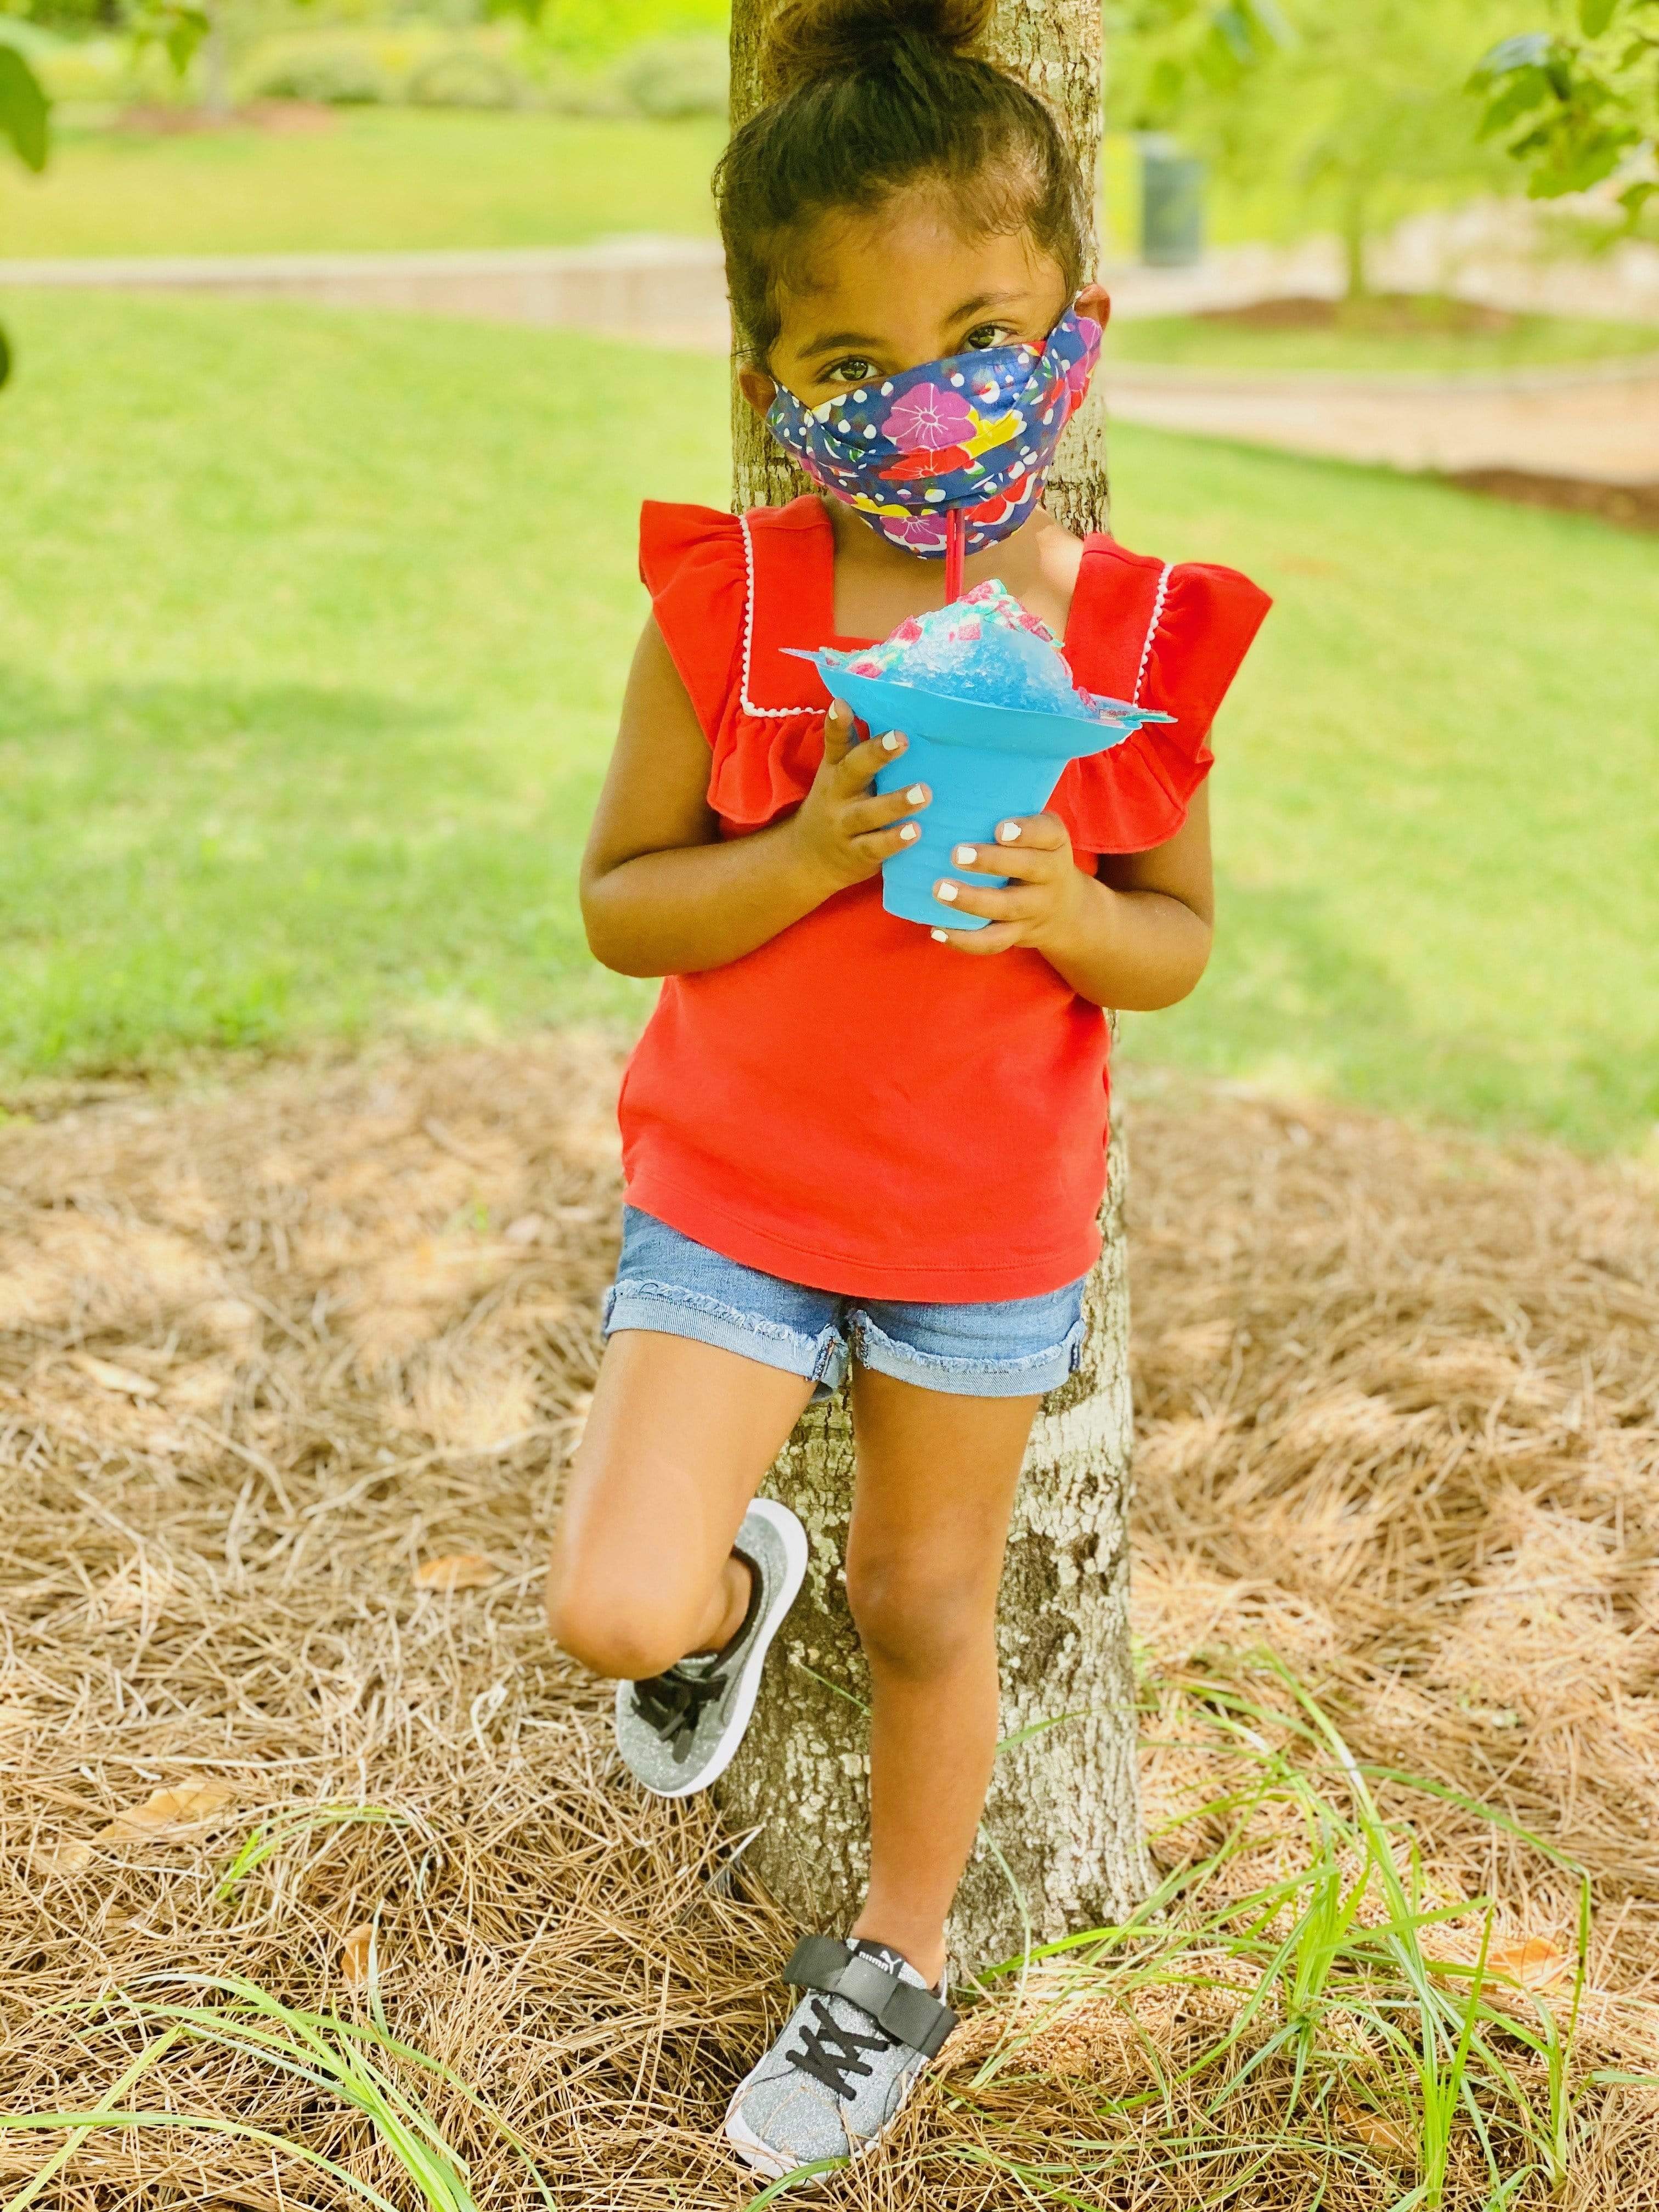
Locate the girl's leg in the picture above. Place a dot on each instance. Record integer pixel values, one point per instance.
(678, 1439)
(936, 1481)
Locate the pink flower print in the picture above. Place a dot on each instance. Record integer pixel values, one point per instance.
(925, 532)
(930, 416)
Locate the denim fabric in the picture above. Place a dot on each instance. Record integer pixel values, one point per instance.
(998, 1348)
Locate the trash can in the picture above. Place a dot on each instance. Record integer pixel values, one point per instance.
(1171, 205)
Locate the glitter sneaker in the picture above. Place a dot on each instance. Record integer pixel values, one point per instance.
(835, 2080)
(677, 1732)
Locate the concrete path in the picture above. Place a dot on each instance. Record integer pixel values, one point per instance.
(1601, 421)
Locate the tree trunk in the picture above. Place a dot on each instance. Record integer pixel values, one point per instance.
(215, 62)
(1061, 1847)
(1355, 232)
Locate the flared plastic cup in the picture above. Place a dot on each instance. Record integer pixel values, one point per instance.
(982, 764)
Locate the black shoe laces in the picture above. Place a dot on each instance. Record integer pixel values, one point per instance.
(671, 1704)
(834, 2055)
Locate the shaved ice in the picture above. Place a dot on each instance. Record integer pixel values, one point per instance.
(986, 647)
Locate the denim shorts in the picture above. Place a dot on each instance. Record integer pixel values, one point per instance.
(1001, 1348)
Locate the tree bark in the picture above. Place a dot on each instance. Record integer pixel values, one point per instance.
(1061, 1847)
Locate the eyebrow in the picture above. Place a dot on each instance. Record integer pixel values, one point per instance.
(833, 341)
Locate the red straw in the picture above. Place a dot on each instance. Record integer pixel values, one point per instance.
(956, 535)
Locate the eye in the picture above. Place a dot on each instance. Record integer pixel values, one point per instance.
(853, 368)
(984, 335)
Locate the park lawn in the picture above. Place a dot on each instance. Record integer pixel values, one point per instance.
(1380, 338)
(314, 625)
(372, 179)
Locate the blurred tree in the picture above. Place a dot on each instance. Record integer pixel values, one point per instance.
(1575, 103)
(1353, 108)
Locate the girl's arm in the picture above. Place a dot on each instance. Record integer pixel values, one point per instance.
(1137, 936)
(663, 894)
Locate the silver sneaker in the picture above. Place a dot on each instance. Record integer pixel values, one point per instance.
(677, 1732)
(850, 2054)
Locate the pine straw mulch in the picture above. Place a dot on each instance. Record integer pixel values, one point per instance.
(267, 1351)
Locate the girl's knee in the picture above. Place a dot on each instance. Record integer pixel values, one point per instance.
(621, 1627)
(616, 1640)
(914, 1619)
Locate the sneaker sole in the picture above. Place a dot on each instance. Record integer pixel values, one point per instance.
(790, 1534)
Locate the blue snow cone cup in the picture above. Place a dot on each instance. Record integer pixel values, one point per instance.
(982, 763)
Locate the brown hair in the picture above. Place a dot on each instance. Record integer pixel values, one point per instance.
(866, 98)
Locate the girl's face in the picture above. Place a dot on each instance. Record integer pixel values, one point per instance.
(900, 286)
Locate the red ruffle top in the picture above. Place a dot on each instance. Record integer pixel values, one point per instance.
(853, 1106)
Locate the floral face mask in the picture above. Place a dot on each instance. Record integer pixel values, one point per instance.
(973, 435)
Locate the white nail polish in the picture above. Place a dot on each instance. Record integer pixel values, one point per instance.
(939, 936)
(1008, 832)
(947, 892)
(890, 743)
(909, 834)
(916, 794)
(964, 856)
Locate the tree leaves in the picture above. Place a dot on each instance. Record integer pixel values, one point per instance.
(169, 1813)
(1572, 108)
(458, 1570)
(1534, 1963)
(23, 108)
(358, 1952)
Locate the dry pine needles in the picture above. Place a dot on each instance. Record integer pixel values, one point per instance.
(288, 1371)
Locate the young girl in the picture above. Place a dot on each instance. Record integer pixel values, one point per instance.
(850, 1140)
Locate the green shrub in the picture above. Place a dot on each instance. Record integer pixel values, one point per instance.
(668, 78)
(337, 76)
(464, 77)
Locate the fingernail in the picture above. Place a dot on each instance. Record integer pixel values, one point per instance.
(909, 834)
(891, 742)
(939, 936)
(1007, 831)
(916, 793)
(964, 856)
(945, 891)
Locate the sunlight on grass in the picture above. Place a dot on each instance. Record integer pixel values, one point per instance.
(374, 179)
(1379, 338)
(316, 622)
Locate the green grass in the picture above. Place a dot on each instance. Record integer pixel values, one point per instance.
(314, 625)
(376, 178)
(305, 692)
(1437, 853)
(1377, 339)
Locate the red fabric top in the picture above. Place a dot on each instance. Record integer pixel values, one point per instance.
(852, 1106)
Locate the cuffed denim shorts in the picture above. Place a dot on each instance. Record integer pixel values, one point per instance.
(1001, 1348)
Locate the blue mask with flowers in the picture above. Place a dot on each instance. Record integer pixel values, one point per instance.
(974, 435)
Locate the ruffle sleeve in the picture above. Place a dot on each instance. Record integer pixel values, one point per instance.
(691, 562)
(728, 592)
(1193, 637)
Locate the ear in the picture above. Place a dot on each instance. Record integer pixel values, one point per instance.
(1094, 301)
(758, 388)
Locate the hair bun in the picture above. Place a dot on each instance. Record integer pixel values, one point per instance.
(812, 39)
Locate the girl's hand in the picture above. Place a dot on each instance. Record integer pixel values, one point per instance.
(843, 831)
(1049, 903)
